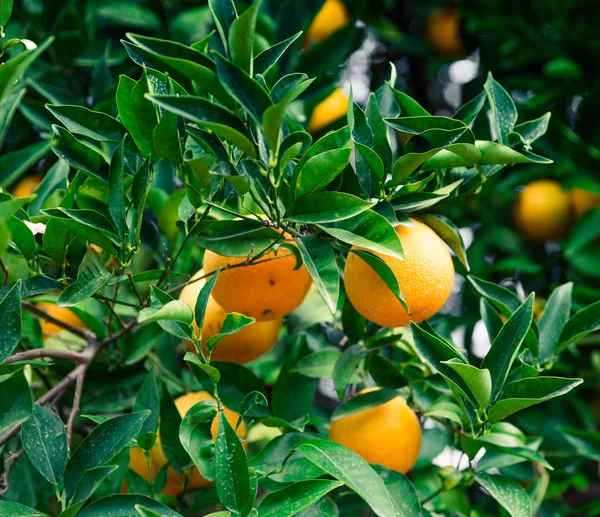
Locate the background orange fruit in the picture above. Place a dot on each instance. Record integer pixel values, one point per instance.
(582, 200)
(328, 111)
(425, 278)
(26, 186)
(388, 434)
(242, 347)
(332, 17)
(542, 211)
(443, 32)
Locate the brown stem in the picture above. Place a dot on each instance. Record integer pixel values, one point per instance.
(135, 289)
(10, 463)
(40, 353)
(84, 334)
(76, 403)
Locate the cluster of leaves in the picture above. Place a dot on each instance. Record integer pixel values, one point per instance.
(182, 159)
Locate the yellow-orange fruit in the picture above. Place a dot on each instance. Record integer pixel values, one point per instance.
(266, 290)
(542, 211)
(157, 456)
(332, 17)
(26, 186)
(388, 434)
(582, 200)
(443, 32)
(242, 347)
(425, 278)
(60, 313)
(328, 111)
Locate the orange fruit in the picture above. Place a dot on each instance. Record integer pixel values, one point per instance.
(332, 17)
(60, 313)
(331, 109)
(443, 32)
(26, 186)
(425, 278)
(541, 211)
(388, 434)
(582, 200)
(266, 290)
(242, 347)
(137, 461)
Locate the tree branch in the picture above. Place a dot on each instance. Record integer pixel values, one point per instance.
(10, 463)
(82, 333)
(76, 403)
(40, 353)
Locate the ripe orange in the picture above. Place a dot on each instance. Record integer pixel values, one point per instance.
(443, 32)
(266, 290)
(60, 313)
(242, 347)
(582, 200)
(331, 109)
(26, 186)
(174, 486)
(541, 210)
(388, 434)
(425, 278)
(332, 17)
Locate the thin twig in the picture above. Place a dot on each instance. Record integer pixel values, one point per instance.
(40, 353)
(135, 289)
(5, 271)
(76, 404)
(10, 463)
(82, 333)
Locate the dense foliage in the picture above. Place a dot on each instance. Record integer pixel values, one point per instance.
(227, 288)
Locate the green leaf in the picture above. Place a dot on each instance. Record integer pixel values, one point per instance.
(506, 345)
(92, 124)
(116, 197)
(447, 410)
(252, 401)
(224, 14)
(78, 155)
(21, 236)
(290, 500)
(508, 493)
(469, 111)
(8, 508)
(319, 259)
(501, 297)
(449, 233)
(504, 111)
(531, 130)
(15, 163)
(241, 38)
(409, 107)
(233, 323)
(438, 353)
(368, 230)
(318, 365)
(353, 471)
(8, 108)
(492, 320)
(584, 322)
(527, 392)
(402, 492)
(203, 297)
(16, 403)
(210, 116)
(420, 124)
(235, 238)
(385, 272)
(124, 505)
(586, 442)
(45, 441)
(479, 381)
(91, 277)
(345, 368)
(5, 10)
(128, 103)
(265, 61)
(584, 231)
(363, 401)
(326, 207)
(231, 468)
(250, 94)
(384, 372)
(10, 321)
(554, 318)
(174, 310)
(320, 170)
(196, 438)
(148, 398)
(100, 446)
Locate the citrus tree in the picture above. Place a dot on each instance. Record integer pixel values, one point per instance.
(233, 289)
